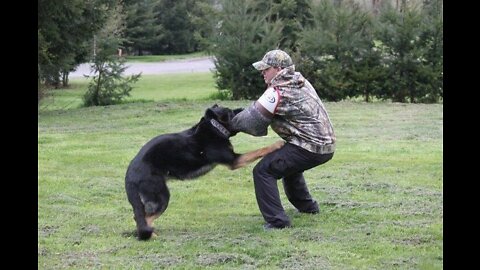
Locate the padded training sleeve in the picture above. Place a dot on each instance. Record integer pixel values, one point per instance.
(251, 121)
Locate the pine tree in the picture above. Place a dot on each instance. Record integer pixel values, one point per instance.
(294, 16)
(142, 31)
(108, 86)
(404, 55)
(336, 49)
(432, 41)
(242, 38)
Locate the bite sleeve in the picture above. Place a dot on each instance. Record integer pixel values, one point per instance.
(252, 121)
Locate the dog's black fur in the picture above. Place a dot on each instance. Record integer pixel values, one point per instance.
(184, 155)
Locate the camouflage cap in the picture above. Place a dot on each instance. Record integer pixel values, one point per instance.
(274, 58)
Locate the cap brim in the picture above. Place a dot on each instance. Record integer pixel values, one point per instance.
(260, 65)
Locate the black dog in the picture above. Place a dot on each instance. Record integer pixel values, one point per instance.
(184, 155)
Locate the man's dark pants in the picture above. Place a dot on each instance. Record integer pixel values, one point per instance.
(288, 163)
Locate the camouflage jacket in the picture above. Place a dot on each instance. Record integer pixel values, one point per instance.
(300, 117)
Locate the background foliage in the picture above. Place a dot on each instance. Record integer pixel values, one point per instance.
(65, 33)
(390, 50)
(241, 38)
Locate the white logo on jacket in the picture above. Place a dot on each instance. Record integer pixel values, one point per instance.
(270, 99)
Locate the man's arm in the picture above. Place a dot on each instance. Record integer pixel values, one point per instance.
(253, 120)
(256, 118)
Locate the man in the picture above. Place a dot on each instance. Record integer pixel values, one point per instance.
(292, 108)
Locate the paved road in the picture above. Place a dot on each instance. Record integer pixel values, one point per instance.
(203, 64)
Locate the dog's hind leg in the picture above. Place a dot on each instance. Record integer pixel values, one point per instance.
(150, 219)
(155, 196)
(133, 194)
(249, 157)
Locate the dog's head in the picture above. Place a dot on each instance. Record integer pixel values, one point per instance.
(221, 119)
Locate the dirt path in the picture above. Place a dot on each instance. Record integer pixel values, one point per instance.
(203, 64)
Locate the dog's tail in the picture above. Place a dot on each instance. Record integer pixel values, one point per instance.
(144, 231)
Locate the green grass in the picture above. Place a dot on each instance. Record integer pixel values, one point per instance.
(167, 87)
(380, 197)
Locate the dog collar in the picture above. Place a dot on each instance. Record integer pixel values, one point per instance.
(220, 128)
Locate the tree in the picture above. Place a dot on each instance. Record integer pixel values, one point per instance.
(142, 31)
(367, 74)
(405, 55)
(178, 30)
(42, 57)
(376, 6)
(431, 39)
(335, 51)
(65, 28)
(204, 17)
(108, 86)
(242, 38)
(294, 16)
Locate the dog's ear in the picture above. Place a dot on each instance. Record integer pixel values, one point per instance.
(222, 115)
(209, 113)
(237, 111)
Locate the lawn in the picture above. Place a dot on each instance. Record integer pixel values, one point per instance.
(165, 87)
(380, 197)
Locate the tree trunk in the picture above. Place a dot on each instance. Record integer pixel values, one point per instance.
(367, 94)
(376, 6)
(96, 95)
(403, 6)
(65, 79)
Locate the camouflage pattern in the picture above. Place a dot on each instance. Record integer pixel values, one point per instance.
(301, 118)
(275, 58)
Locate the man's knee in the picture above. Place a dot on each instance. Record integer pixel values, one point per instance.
(269, 169)
(260, 170)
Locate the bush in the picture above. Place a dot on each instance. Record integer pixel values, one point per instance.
(108, 87)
